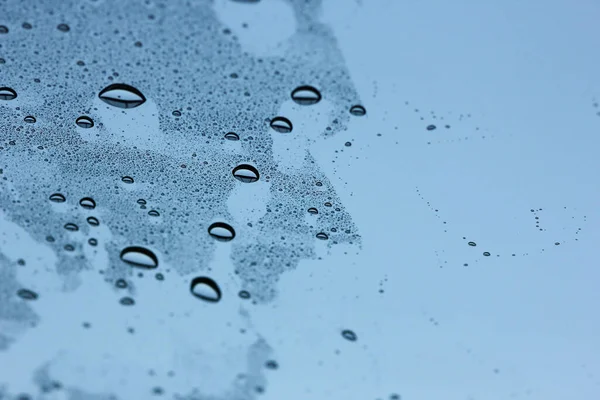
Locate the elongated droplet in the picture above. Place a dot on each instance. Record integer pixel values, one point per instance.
(121, 283)
(93, 221)
(122, 96)
(30, 119)
(245, 173)
(472, 244)
(322, 236)
(84, 122)
(306, 95)
(71, 227)
(206, 289)
(349, 335)
(127, 301)
(221, 231)
(153, 213)
(87, 203)
(57, 198)
(127, 179)
(313, 211)
(358, 110)
(27, 294)
(139, 257)
(7, 93)
(232, 136)
(63, 27)
(281, 125)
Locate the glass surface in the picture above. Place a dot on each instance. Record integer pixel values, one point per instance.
(299, 199)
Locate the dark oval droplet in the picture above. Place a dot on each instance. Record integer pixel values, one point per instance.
(87, 203)
(153, 213)
(3, 29)
(322, 236)
(26, 25)
(121, 283)
(63, 27)
(349, 335)
(473, 244)
(141, 201)
(93, 221)
(272, 364)
(84, 122)
(127, 301)
(93, 242)
(245, 173)
(27, 294)
(347, 144)
(159, 277)
(57, 198)
(358, 110)
(122, 96)
(127, 179)
(313, 211)
(71, 227)
(139, 257)
(486, 253)
(281, 125)
(69, 247)
(176, 113)
(244, 294)
(7, 93)
(206, 289)
(431, 127)
(232, 136)
(306, 95)
(30, 119)
(221, 231)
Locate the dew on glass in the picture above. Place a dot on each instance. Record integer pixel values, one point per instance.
(27, 294)
(313, 211)
(138, 256)
(88, 203)
(69, 247)
(306, 95)
(3, 29)
(153, 213)
(431, 127)
(206, 289)
(244, 294)
(486, 253)
(127, 179)
(127, 301)
(322, 236)
(472, 244)
(84, 122)
(245, 173)
(63, 27)
(7, 93)
(122, 96)
(221, 231)
(93, 242)
(176, 113)
(30, 119)
(349, 335)
(281, 125)
(26, 25)
(71, 227)
(57, 198)
(93, 221)
(232, 136)
(358, 110)
(121, 283)
(141, 201)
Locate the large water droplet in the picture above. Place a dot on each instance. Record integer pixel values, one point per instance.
(127, 179)
(349, 335)
(84, 122)
(87, 203)
(232, 136)
(221, 231)
(206, 289)
(322, 236)
(153, 213)
(245, 173)
(71, 227)
(57, 198)
(313, 211)
(30, 119)
(122, 96)
(281, 125)
(93, 221)
(306, 95)
(358, 110)
(139, 257)
(7, 93)
(27, 294)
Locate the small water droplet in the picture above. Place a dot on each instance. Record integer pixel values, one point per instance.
(245, 173)
(93, 242)
(322, 236)
(27, 294)
(472, 244)
(431, 127)
(141, 201)
(306, 95)
(127, 301)
(139, 257)
(71, 227)
(153, 213)
(30, 119)
(7, 93)
(486, 253)
(281, 125)
(3, 29)
(121, 283)
(87, 203)
(26, 25)
(349, 335)
(232, 136)
(63, 27)
(69, 247)
(244, 294)
(272, 364)
(206, 289)
(313, 211)
(319, 183)
(347, 144)
(84, 122)
(127, 179)
(122, 96)
(57, 198)
(93, 221)
(159, 277)
(358, 110)
(221, 231)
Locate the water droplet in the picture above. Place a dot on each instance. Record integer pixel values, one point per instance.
(63, 27)
(121, 283)
(281, 125)
(30, 119)
(176, 113)
(306, 95)
(71, 227)
(232, 136)
(139, 257)
(69, 247)
(57, 198)
(322, 236)
(206, 289)
(127, 179)
(159, 277)
(122, 96)
(93, 242)
(84, 122)
(87, 203)
(347, 144)
(431, 127)
(245, 173)
(26, 25)
(27, 294)
(272, 364)
(358, 110)
(93, 221)
(127, 301)
(141, 201)
(153, 213)
(486, 253)
(244, 294)
(313, 211)
(221, 231)
(473, 244)
(349, 335)
(3, 29)
(7, 93)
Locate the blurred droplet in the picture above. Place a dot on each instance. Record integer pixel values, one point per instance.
(57, 198)
(7, 93)
(3, 29)
(358, 110)
(281, 125)
(245, 173)
(121, 283)
(27, 294)
(127, 301)
(139, 257)
(221, 231)
(84, 122)
(26, 25)
(349, 335)
(87, 203)
(206, 289)
(122, 96)
(63, 27)
(306, 95)
(244, 294)
(431, 127)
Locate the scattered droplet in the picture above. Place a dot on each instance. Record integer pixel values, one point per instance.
(69, 247)
(358, 110)
(206, 289)
(281, 125)
(306, 95)
(272, 364)
(26, 25)
(121, 283)
(141, 201)
(84, 122)
(30, 119)
(313, 211)
(232, 136)
(244, 294)
(57, 198)
(159, 277)
(322, 236)
(127, 179)
(431, 127)
(27, 294)
(153, 213)
(221, 231)
(139, 257)
(7, 93)
(71, 227)
(347, 144)
(486, 253)
(127, 301)
(93, 242)
(87, 203)
(472, 244)
(349, 335)
(122, 96)
(3, 29)
(63, 27)
(93, 221)
(245, 173)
